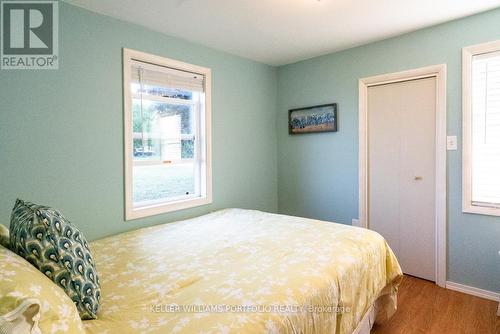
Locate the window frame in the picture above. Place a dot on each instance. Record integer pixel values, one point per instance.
(467, 56)
(206, 155)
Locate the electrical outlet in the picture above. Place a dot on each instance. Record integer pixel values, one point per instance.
(451, 143)
(355, 222)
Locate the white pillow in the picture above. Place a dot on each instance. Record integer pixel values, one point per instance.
(23, 319)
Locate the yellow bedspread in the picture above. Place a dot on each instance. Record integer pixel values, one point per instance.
(240, 271)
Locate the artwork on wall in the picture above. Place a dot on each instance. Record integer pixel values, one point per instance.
(321, 118)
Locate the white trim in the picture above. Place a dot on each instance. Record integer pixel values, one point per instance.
(130, 211)
(470, 290)
(439, 72)
(467, 54)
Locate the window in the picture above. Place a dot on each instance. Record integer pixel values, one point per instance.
(481, 129)
(167, 135)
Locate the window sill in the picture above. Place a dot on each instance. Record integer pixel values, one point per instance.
(481, 210)
(154, 210)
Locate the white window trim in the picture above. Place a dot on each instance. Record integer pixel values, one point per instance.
(467, 54)
(130, 211)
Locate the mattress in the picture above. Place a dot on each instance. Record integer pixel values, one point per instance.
(242, 271)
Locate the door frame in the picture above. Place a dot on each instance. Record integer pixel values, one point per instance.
(439, 72)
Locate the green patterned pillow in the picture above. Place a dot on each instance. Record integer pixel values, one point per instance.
(59, 250)
(4, 236)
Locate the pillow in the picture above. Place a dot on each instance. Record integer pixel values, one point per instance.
(30, 302)
(59, 250)
(4, 236)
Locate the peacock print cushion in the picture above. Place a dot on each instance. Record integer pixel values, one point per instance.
(55, 246)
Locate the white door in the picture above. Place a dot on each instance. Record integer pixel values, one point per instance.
(401, 171)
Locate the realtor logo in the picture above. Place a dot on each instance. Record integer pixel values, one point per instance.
(29, 35)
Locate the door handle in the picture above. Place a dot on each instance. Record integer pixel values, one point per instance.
(418, 178)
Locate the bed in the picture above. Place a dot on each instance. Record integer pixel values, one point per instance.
(244, 271)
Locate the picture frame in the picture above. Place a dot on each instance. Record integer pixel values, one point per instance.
(314, 119)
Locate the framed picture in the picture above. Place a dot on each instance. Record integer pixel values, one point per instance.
(321, 118)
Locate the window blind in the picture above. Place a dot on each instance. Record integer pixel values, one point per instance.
(155, 75)
(486, 130)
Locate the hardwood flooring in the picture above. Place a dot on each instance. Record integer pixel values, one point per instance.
(425, 308)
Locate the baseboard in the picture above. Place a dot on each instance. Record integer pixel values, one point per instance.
(473, 291)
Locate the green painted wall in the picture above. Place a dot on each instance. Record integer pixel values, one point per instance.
(318, 173)
(61, 137)
(61, 131)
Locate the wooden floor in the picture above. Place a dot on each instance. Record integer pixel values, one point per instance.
(423, 307)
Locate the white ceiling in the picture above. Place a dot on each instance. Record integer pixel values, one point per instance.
(279, 32)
